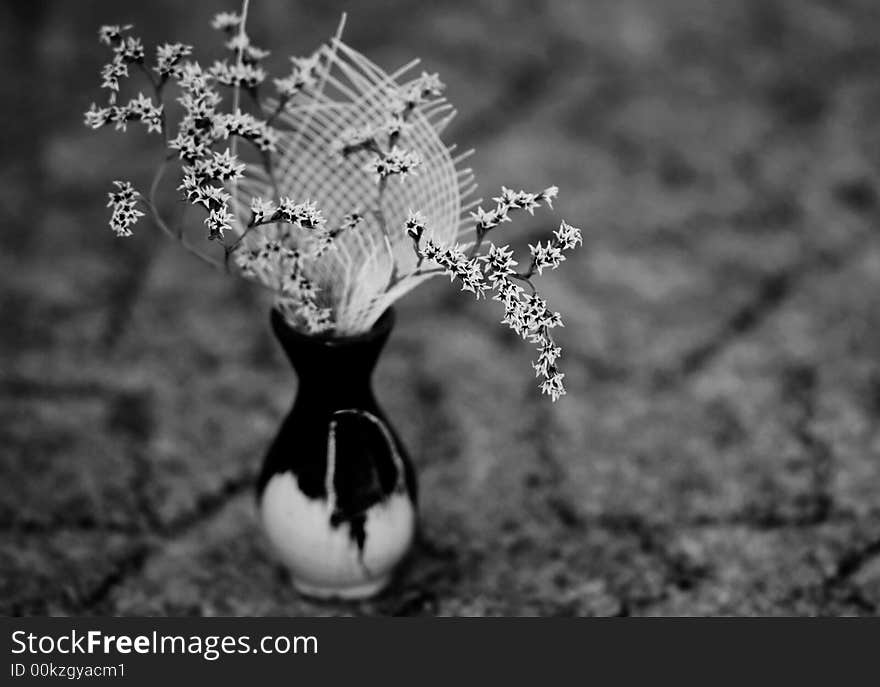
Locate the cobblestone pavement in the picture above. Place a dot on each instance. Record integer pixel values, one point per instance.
(719, 449)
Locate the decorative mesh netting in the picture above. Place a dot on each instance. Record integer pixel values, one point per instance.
(374, 264)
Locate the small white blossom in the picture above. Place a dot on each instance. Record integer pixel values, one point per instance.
(472, 279)
(143, 109)
(394, 126)
(507, 292)
(553, 387)
(112, 34)
(514, 316)
(317, 320)
(304, 75)
(304, 215)
(429, 85)
(268, 260)
(548, 354)
(429, 251)
(415, 225)
(168, 57)
(96, 117)
(548, 194)
(212, 197)
(486, 220)
(240, 41)
(225, 166)
(112, 72)
(511, 200)
(550, 319)
(308, 66)
(261, 210)
(191, 142)
(193, 79)
(124, 204)
(499, 263)
(226, 21)
(250, 54)
(119, 117)
(546, 256)
(242, 124)
(254, 54)
(534, 309)
(130, 49)
(567, 236)
(244, 75)
(219, 221)
(354, 139)
(350, 221)
(457, 265)
(507, 200)
(396, 161)
(418, 92)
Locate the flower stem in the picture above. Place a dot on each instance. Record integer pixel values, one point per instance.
(176, 235)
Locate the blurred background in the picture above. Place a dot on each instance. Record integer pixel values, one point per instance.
(719, 448)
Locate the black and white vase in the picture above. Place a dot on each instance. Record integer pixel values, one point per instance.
(337, 493)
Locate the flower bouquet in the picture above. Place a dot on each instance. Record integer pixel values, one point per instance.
(329, 186)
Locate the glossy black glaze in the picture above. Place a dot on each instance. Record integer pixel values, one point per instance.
(335, 376)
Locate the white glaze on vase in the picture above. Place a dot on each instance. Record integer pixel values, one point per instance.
(325, 560)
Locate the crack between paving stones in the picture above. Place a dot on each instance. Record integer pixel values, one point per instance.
(848, 566)
(772, 293)
(131, 565)
(800, 384)
(678, 573)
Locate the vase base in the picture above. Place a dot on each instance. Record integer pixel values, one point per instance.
(354, 592)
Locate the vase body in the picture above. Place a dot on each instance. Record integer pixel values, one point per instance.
(337, 493)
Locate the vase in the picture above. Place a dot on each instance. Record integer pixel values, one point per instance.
(337, 492)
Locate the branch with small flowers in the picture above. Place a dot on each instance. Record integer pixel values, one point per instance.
(333, 265)
(527, 314)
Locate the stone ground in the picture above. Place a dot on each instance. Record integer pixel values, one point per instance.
(719, 449)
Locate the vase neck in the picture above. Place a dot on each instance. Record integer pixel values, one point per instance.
(334, 371)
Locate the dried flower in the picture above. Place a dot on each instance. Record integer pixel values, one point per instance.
(226, 21)
(303, 215)
(112, 34)
(261, 210)
(130, 49)
(416, 93)
(112, 72)
(552, 386)
(396, 161)
(243, 75)
(350, 221)
(548, 354)
(168, 57)
(247, 126)
(415, 225)
(219, 221)
(223, 166)
(142, 109)
(567, 236)
(96, 117)
(499, 263)
(458, 265)
(336, 272)
(546, 256)
(124, 204)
